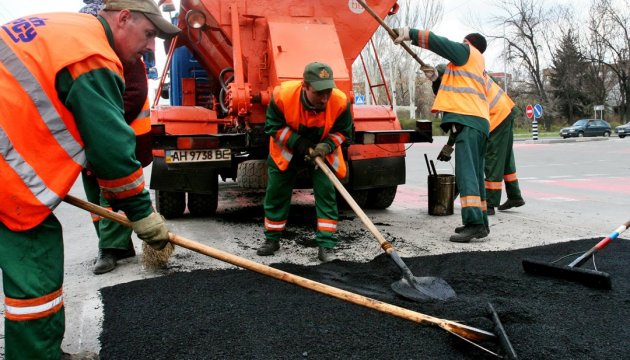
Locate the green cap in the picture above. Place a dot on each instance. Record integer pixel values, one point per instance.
(149, 9)
(319, 75)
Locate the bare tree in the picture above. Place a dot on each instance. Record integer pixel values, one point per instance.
(526, 35)
(395, 60)
(610, 29)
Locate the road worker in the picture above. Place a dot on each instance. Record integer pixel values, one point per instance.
(306, 119)
(500, 164)
(115, 239)
(61, 80)
(462, 100)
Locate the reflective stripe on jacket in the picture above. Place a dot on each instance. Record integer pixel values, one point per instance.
(41, 150)
(142, 123)
(463, 88)
(287, 97)
(500, 104)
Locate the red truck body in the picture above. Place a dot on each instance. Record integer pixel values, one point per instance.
(241, 50)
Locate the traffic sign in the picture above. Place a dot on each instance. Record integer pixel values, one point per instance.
(359, 100)
(529, 111)
(538, 111)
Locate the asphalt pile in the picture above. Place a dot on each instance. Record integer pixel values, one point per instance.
(239, 314)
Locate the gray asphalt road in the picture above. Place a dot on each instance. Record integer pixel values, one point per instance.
(573, 190)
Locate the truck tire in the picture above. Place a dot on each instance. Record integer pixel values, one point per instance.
(381, 198)
(170, 204)
(203, 204)
(359, 196)
(252, 174)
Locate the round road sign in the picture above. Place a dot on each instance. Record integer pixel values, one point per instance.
(529, 111)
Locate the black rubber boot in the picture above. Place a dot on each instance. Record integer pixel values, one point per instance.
(459, 229)
(490, 210)
(268, 248)
(106, 261)
(509, 203)
(470, 232)
(85, 355)
(325, 255)
(125, 253)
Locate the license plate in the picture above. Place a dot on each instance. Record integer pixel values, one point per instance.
(197, 156)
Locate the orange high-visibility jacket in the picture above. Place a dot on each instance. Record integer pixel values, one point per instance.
(287, 97)
(500, 104)
(463, 88)
(41, 150)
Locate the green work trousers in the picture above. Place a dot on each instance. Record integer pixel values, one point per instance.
(278, 200)
(500, 162)
(111, 235)
(32, 267)
(470, 150)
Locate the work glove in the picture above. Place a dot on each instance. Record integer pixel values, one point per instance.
(445, 154)
(322, 149)
(403, 35)
(430, 72)
(302, 146)
(152, 230)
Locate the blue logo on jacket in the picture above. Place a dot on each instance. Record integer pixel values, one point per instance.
(23, 29)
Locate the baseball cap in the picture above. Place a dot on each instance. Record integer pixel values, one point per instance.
(319, 75)
(149, 9)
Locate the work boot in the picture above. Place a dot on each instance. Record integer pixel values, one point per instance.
(84, 355)
(268, 248)
(459, 229)
(125, 253)
(470, 232)
(510, 203)
(106, 261)
(490, 210)
(325, 255)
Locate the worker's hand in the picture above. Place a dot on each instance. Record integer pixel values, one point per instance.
(322, 149)
(302, 146)
(430, 72)
(445, 154)
(152, 230)
(403, 35)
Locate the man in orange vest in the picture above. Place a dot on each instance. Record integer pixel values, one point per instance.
(462, 100)
(63, 108)
(500, 164)
(115, 239)
(305, 119)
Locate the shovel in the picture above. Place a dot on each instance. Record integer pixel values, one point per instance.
(410, 286)
(468, 333)
(592, 278)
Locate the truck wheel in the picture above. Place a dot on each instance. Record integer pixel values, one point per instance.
(252, 174)
(359, 196)
(203, 204)
(170, 204)
(381, 198)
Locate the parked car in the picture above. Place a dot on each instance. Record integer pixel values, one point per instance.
(623, 130)
(587, 127)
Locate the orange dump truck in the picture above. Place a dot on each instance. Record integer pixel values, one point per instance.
(223, 68)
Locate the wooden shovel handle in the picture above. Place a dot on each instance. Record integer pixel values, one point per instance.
(390, 31)
(386, 245)
(464, 331)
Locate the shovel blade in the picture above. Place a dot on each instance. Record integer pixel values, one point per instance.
(423, 288)
(592, 278)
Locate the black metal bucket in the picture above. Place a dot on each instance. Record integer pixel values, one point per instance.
(441, 194)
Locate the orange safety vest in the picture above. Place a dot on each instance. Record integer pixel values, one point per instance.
(287, 97)
(142, 123)
(41, 150)
(463, 88)
(500, 104)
